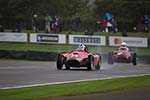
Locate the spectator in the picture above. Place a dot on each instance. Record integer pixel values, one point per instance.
(147, 23)
(1, 28)
(108, 23)
(48, 20)
(16, 27)
(148, 20)
(78, 23)
(104, 25)
(35, 23)
(60, 23)
(112, 26)
(55, 23)
(124, 33)
(98, 25)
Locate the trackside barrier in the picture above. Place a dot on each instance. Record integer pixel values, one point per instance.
(48, 38)
(88, 40)
(73, 39)
(13, 37)
(131, 41)
(51, 56)
(28, 55)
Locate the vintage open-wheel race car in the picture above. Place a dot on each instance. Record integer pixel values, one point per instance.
(122, 55)
(79, 58)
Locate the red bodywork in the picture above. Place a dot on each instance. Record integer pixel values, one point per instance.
(78, 58)
(123, 55)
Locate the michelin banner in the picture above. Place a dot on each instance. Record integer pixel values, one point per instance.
(13, 37)
(88, 40)
(48, 38)
(130, 41)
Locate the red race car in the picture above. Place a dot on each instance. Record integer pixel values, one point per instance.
(79, 58)
(122, 55)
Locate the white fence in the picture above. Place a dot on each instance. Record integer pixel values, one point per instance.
(73, 39)
(88, 40)
(48, 38)
(13, 37)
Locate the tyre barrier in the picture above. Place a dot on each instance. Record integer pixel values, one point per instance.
(28, 55)
(51, 56)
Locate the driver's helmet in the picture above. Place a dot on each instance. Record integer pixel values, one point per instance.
(81, 46)
(123, 44)
(35, 15)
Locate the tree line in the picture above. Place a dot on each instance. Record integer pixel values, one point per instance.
(125, 12)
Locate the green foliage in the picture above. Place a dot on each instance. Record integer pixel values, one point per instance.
(124, 10)
(128, 12)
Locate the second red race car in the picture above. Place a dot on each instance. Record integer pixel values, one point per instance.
(122, 55)
(79, 58)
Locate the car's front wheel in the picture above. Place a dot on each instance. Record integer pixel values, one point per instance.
(90, 62)
(134, 62)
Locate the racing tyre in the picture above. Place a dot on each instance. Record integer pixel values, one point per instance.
(67, 67)
(134, 62)
(110, 58)
(90, 62)
(98, 66)
(59, 62)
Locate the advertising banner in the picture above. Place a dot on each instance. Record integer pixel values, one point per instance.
(13, 37)
(48, 38)
(88, 40)
(130, 41)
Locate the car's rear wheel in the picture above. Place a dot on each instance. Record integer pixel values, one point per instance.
(98, 66)
(110, 58)
(90, 62)
(59, 61)
(134, 62)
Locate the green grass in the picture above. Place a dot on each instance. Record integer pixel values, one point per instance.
(63, 48)
(69, 89)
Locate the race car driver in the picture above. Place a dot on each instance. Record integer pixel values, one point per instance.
(83, 47)
(123, 46)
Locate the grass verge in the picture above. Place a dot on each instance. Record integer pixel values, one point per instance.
(64, 48)
(69, 89)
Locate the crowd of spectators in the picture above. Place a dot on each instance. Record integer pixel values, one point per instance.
(143, 24)
(106, 24)
(52, 24)
(147, 23)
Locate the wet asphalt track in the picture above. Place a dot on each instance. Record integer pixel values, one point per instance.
(22, 73)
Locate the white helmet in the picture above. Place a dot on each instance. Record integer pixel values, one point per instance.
(123, 44)
(35, 15)
(81, 46)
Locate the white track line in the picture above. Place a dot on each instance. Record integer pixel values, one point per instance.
(54, 83)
